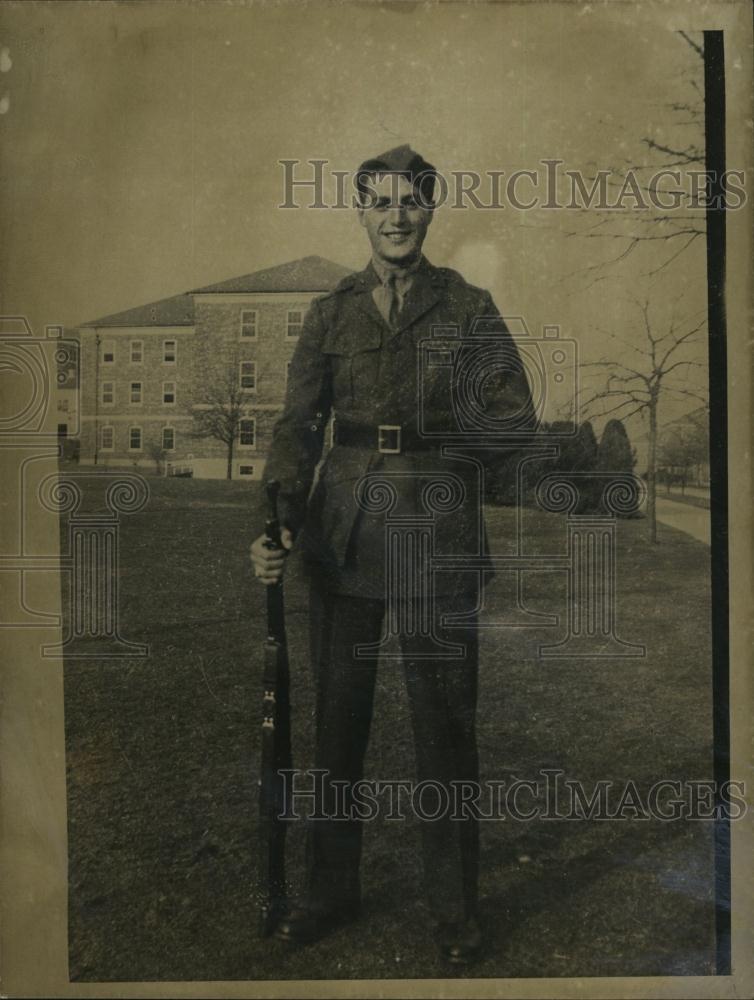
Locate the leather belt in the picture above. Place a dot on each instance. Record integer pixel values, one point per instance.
(387, 439)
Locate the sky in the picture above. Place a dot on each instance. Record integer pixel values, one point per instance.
(140, 145)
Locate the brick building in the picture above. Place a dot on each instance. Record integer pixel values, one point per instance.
(147, 373)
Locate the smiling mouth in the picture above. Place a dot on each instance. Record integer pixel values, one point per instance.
(397, 237)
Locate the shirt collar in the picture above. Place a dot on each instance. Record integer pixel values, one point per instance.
(385, 271)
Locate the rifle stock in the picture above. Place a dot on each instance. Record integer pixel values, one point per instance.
(276, 746)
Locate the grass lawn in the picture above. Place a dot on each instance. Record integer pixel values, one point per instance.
(162, 757)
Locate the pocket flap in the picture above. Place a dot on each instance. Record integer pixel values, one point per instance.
(349, 341)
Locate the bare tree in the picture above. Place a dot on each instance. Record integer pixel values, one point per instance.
(157, 453)
(659, 368)
(221, 408)
(669, 158)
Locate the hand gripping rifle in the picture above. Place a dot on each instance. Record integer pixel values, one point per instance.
(276, 743)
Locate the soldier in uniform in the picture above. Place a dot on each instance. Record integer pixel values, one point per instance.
(357, 360)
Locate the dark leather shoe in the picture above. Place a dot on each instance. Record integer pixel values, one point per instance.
(305, 924)
(461, 943)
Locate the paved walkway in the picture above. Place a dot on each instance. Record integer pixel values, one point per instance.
(694, 491)
(694, 521)
(701, 492)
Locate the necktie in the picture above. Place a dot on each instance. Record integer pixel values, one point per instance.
(388, 297)
(393, 301)
(387, 300)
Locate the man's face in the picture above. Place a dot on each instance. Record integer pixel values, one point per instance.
(395, 222)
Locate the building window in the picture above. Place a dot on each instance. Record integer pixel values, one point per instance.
(248, 322)
(137, 352)
(246, 470)
(136, 393)
(134, 438)
(247, 432)
(108, 393)
(168, 439)
(108, 352)
(168, 393)
(108, 438)
(248, 370)
(294, 322)
(170, 351)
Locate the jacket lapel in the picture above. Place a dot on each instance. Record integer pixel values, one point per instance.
(366, 281)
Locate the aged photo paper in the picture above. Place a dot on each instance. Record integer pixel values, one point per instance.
(375, 422)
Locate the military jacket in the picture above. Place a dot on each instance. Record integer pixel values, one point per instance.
(350, 364)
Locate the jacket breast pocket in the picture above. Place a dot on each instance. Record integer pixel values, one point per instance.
(355, 366)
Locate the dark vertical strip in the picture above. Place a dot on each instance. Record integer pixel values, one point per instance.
(714, 130)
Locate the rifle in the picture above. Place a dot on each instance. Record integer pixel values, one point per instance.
(276, 743)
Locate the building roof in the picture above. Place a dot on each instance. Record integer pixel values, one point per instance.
(178, 310)
(308, 274)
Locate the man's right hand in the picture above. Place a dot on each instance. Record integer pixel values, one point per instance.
(269, 563)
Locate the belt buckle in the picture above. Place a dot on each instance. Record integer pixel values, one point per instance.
(389, 439)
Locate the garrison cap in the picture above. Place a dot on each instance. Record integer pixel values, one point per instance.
(405, 161)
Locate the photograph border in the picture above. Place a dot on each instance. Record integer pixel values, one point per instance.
(33, 851)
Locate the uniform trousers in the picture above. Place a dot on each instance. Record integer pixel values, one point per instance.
(442, 696)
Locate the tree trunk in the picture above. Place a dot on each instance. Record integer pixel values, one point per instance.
(230, 459)
(652, 470)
